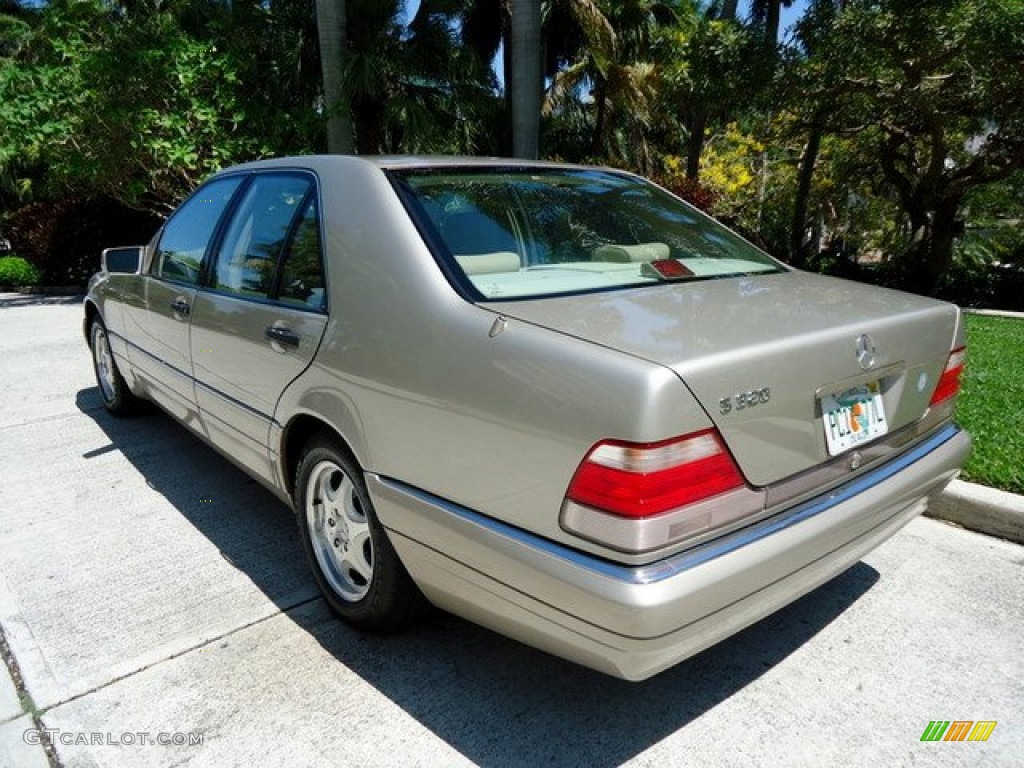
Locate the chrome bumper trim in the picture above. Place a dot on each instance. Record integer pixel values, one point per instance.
(672, 566)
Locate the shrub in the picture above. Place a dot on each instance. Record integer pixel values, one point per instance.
(692, 191)
(64, 239)
(16, 271)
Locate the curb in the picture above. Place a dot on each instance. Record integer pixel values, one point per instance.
(44, 290)
(995, 313)
(54, 296)
(978, 507)
(982, 509)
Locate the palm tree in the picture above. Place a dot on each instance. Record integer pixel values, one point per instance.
(598, 47)
(525, 77)
(563, 28)
(409, 86)
(332, 26)
(616, 62)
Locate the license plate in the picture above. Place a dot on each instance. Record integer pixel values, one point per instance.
(853, 417)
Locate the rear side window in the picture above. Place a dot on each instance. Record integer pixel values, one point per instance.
(266, 217)
(187, 234)
(302, 273)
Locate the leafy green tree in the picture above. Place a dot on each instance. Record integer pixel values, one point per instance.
(708, 81)
(102, 103)
(811, 30)
(16, 22)
(941, 117)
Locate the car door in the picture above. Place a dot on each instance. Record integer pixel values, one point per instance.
(157, 312)
(257, 322)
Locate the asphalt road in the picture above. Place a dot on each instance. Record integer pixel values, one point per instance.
(151, 592)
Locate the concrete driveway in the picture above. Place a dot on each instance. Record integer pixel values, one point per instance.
(156, 611)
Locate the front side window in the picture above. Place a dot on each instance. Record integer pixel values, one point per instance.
(179, 254)
(266, 216)
(540, 232)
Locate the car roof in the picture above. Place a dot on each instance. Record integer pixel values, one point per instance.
(399, 162)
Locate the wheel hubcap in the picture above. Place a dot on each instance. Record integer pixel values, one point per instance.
(339, 531)
(104, 364)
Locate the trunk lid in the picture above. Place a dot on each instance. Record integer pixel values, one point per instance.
(762, 354)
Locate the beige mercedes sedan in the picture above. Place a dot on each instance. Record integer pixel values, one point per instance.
(553, 399)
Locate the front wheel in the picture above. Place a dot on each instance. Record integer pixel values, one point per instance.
(117, 398)
(350, 555)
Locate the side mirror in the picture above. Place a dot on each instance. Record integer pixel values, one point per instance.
(122, 260)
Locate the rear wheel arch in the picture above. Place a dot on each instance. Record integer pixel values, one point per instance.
(300, 432)
(349, 552)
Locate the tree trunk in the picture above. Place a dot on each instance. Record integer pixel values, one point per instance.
(369, 124)
(728, 12)
(945, 229)
(600, 117)
(695, 144)
(930, 253)
(332, 29)
(798, 250)
(772, 20)
(524, 80)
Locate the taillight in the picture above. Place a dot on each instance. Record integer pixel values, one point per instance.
(637, 480)
(949, 381)
(639, 497)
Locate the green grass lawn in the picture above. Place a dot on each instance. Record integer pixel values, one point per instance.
(991, 405)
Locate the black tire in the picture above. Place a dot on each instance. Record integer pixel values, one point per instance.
(353, 562)
(117, 398)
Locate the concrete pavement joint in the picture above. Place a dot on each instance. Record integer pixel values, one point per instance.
(28, 706)
(51, 417)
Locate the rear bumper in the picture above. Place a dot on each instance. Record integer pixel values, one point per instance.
(633, 622)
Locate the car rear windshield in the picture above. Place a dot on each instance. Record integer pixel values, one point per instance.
(527, 233)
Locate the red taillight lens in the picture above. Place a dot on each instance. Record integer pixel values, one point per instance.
(638, 480)
(949, 381)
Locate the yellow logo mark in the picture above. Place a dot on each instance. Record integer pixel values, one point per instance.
(982, 730)
(958, 730)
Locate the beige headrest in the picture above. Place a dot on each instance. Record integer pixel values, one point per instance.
(627, 253)
(489, 263)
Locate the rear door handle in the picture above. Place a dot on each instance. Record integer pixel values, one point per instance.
(283, 336)
(181, 307)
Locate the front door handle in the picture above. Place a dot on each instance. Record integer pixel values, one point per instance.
(283, 336)
(181, 307)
